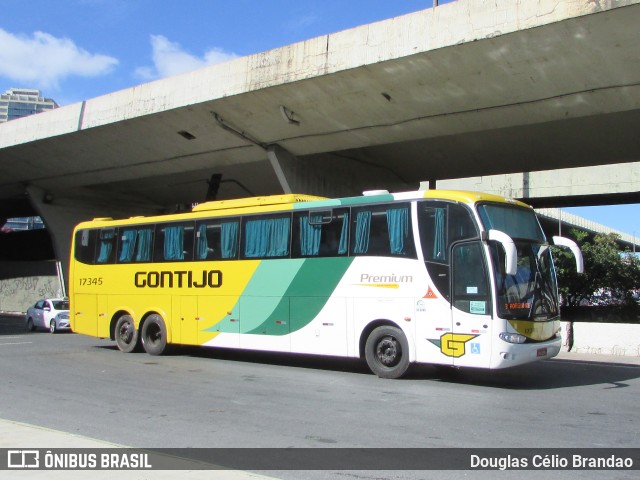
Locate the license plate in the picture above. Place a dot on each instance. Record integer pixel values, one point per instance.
(542, 352)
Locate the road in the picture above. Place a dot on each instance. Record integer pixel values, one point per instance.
(216, 398)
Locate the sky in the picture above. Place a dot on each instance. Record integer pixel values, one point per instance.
(73, 50)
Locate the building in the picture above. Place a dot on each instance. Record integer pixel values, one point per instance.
(21, 102)
(23, 223)
(16, 103)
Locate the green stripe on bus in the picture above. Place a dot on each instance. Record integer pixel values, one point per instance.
(262, 312)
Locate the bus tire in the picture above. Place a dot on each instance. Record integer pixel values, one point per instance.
(387, 352)
(126, 334)
(154, 335)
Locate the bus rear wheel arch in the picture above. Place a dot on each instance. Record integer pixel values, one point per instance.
(387, 351)
(154, 335)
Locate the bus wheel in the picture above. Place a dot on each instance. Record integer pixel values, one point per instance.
(387, 352)
(126, 334)
(154, 335)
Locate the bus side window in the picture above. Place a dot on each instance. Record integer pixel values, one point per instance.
(217, 239)
(432, 219)
(461, 224)
(174, 242)
(106, 246)
(323, 233)
(266, 237)
(85, 245)
(441, 225)
(136, 244)
(382, 230)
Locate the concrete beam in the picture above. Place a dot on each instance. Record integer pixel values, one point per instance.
(614, 181)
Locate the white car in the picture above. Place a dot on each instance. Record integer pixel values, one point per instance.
(49, 313)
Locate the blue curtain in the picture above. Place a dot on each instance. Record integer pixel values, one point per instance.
(439, 252)
(202, 245)
(278, 237)
(256, 238)
(267, 238)
(128, 245)
(344, 235)
(229, 240)
(174, 243)
(106, 245)
(310, 235)
(144, 245)
(398, 226)
(363, 229)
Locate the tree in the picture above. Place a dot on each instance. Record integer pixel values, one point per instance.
(611, 277)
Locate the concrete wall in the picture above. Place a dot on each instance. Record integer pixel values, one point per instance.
(621, 339)
(37, 280)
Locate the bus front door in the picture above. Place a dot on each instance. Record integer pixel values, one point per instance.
(470, 341)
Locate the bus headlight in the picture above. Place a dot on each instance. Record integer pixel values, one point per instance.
(513, 337)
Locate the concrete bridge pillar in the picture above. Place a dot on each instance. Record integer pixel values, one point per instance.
(331, 174)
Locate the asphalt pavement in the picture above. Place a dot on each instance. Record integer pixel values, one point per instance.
(16, 435)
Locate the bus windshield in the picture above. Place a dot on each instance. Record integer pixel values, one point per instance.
(531, 293)
(517, 222)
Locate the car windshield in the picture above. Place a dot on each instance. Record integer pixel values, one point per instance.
(61, 305)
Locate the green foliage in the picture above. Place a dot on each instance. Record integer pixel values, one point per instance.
(611, 276)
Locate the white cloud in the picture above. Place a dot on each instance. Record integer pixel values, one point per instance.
(170, 59)
(42, 60)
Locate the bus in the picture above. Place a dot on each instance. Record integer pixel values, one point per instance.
(453, 278)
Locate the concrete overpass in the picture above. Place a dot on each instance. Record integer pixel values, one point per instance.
(470, 88)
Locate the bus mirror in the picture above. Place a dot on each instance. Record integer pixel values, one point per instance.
(573, 246)
(511, 254)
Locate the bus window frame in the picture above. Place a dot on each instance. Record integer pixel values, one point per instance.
(143, 226)
(435, 267)
(158, 245)
(334, 215)
(245, 219)
(216, 222)
(377, 210)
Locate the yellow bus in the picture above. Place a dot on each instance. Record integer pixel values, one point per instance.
(439, 277)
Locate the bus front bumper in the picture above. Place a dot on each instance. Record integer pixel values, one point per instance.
(510, 355)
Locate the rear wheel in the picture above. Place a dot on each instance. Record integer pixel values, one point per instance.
(126, 334)
(154, 335)
(52, 326)
(387, 352)
(30, 326)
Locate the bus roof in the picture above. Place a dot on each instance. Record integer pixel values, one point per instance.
(255, 201)
(292, 201)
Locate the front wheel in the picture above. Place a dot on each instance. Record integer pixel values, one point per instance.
(30, 326)
(126, 334)
(387, 352)
(154, 335)
(52, 326)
